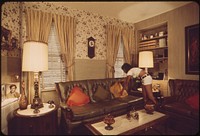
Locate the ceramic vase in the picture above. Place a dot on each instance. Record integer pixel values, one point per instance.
(23, 101)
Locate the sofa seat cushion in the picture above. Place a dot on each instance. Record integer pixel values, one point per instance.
(87, 111)
(113, 105)
(195, 114)
(131, 99)
(181, 109)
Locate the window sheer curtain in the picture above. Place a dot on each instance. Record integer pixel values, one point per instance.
(65, 27)
(128, 40)
(38, 26)
(113, 42)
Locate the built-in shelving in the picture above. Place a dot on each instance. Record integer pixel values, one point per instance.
(155, 39)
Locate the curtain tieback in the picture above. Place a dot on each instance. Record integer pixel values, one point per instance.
(112, 67)
(68, 67)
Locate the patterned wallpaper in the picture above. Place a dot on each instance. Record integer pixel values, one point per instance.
(10, 19)
(88, 24)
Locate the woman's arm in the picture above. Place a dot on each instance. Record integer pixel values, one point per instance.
(125, 85)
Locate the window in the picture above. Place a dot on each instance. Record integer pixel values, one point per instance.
(56, 69)
(119, 62)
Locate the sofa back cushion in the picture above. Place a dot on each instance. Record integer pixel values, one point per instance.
(183, 89)
(94, 85)
(104, 83)
(87, 86)
(65, 88)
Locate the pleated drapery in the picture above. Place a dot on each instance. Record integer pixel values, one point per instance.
(114, 34)
(128, 42)
(65, 27)
(113, 42)
(38, 26)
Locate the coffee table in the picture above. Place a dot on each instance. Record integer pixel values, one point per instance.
(123, 126)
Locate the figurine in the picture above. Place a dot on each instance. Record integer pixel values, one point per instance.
(132, 113)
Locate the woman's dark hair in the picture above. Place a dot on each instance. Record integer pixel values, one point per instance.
(126, 67)
(13, 85)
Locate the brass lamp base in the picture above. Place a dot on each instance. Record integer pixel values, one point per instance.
(37, 103)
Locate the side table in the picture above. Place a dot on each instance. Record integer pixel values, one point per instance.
(25, 122)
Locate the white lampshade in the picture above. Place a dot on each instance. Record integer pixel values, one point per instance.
(35, 56)
(146, 59)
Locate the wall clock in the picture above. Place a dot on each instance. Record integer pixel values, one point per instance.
(91, 47)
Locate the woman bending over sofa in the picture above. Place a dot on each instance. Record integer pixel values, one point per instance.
(146, 81)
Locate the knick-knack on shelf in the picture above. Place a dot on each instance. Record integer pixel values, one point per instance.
(23, 101)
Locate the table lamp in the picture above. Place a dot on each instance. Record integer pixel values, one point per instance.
(146, 60)
(35, 59)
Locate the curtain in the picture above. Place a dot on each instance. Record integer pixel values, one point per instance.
(113, 42)
(128, 41)
(65, 27)
(38, 26)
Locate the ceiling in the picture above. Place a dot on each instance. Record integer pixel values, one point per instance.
(131, 12)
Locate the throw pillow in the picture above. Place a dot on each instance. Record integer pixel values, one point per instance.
(117, 90)
(77, 97)
(193, 101)
(101, 94)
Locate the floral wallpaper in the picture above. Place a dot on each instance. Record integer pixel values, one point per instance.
(10, 19)
(88, 24)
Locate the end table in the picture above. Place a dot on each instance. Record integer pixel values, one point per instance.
(26, 122)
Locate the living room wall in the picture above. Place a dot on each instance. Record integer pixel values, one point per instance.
(11, 58)
(88, 24)
(177, 20)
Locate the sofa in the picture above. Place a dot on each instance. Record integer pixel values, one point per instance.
(182, 105)
(74, 116)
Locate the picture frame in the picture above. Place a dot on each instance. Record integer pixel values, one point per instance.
(192, 49)
(8, 85)
(6, 35)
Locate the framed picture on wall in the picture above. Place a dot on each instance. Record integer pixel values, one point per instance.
(5, 38)
(192, 49)
(12, 90)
